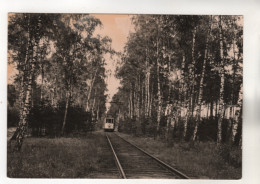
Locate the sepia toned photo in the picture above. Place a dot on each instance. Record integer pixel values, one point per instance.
(120, 96)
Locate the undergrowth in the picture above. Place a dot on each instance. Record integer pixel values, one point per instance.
(200, 160)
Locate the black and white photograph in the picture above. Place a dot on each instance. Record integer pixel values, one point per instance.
(125, 96)
(129, 91)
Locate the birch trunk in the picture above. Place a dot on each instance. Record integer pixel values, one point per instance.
(133, 102)
(139, 100)
(142, 108)
(93, 107)
(147, 86)
(168, 114)
(130, 104)
(211, 109)
(23, 72)
(24, 81)
(90, 90)
(21, 94)
(68, 95)
(191, 76)
(168, 109)
(42, 81)
(98, 112)
(185, 101)
(26, 110)
(198, 110)
(216, 109)
(131, 107)
(22, 126)
(159, 105)
(238, 114)
(222, 81)
(167, 131)
(193, 69)
(231, 117)
(21, 130)
(150, 103)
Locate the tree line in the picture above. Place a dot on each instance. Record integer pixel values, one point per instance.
(60, 63)
(181, 78)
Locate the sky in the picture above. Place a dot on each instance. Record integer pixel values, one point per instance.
(117, 27)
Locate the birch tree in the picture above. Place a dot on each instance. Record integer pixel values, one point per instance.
(201, 84)
(222, 82)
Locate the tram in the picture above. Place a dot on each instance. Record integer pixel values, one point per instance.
(109, 124)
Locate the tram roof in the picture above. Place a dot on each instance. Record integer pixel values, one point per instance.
(109, 116)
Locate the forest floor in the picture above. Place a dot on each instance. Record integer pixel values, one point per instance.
(203, 160)
(64, 157)
(87, 156)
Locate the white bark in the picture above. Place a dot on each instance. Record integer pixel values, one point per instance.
(90, 90)
(159, 96)
(198, 110)
(222, 81)
(238, 114)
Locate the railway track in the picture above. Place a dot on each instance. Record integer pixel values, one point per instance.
(133, 162)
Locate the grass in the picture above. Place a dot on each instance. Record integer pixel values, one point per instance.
(87, 157)
(57, 158)
(203, 160)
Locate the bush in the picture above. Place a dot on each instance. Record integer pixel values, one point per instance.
(207, 130)
(44, 120)
(12, 117)
(79, 120)
(48, 120)
(231, 154)
(126, 126)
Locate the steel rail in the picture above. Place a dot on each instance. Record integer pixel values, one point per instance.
(122, 173)
(175, 171)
